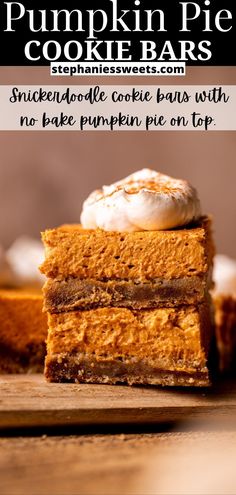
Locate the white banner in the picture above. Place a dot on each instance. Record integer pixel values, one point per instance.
(118, 108)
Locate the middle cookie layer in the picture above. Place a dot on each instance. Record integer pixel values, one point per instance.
(76, 294)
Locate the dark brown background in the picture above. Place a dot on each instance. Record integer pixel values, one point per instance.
(44, 176)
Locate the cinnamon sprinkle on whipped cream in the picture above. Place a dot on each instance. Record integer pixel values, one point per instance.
(145, 200)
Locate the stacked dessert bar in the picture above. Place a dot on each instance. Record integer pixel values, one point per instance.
(129, 307)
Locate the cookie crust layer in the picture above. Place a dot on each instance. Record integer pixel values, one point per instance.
(75, 294)
(85, 369)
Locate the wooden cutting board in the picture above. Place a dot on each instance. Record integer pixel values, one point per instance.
(28, 401)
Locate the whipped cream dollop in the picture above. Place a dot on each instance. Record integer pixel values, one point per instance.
(23, 258)
(145, 200)
(224, 275)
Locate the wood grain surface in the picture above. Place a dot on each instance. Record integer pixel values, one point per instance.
(176, 463)
(28, 401)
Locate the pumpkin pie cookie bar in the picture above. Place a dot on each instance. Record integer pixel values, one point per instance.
(127, 292)
(224, 299)
(161, 346)
(23, 331)
(87, 269)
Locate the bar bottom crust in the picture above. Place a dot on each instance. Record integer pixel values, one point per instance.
(85, 369)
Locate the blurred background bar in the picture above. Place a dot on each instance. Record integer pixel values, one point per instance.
(45, 176)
